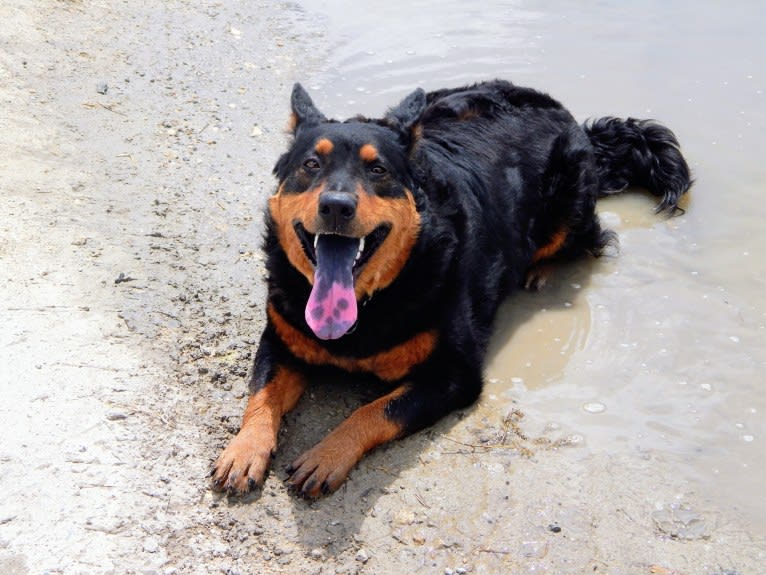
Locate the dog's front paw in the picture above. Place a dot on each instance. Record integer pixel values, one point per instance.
(323, 468)
(242, 465)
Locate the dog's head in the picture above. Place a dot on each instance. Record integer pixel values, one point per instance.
(345, 212)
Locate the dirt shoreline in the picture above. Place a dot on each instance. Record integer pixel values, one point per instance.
(138, 141)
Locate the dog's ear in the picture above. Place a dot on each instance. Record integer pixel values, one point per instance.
(404, 116)
(280, 168)
(304, 112)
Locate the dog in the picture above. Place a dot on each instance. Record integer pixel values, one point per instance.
(391, 242)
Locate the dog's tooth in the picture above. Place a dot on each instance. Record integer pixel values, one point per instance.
(316, 239)
(361, 246)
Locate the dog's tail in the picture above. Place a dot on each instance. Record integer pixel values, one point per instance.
(639, 153)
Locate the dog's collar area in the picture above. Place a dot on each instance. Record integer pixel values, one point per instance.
(368, 244)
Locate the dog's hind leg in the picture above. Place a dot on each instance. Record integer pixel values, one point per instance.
(567, 225)
(538, 275)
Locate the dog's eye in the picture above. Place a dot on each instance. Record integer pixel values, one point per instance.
(378, 170)
(312, 165)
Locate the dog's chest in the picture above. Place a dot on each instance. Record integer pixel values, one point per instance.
(390, 365)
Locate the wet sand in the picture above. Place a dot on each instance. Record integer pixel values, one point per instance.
(621, 426)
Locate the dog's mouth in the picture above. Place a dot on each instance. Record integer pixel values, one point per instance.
(366, 246)
(331, 310)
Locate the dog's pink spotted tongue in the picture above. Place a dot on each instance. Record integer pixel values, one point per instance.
(331, 309)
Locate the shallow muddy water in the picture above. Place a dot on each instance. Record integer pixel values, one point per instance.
(662, 348)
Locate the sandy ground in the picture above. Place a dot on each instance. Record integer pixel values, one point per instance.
(136, 145)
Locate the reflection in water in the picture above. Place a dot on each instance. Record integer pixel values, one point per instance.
(663, 347)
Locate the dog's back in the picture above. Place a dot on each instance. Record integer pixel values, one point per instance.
(529, 175)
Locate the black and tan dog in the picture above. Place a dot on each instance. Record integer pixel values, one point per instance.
(391, 243)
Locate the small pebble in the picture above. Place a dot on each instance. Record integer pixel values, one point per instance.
(362, 556)
(405, 517)
(594, 407)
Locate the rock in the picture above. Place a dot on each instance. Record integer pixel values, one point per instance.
(362, 556)
(151, 545)
(405, 517)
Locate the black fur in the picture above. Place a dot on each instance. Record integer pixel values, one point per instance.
(639, 153)
(498, 173)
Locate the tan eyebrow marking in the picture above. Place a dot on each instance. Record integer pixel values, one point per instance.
(368, 153)
(323, 146)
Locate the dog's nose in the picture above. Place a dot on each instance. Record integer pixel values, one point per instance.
(337, 208)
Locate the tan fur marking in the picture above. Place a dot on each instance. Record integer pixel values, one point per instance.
(417, 133)
(285, 209)
(390, 365)
(389, 259)
(292, 123)
(553, 246)
(468, 114)
(368, 426)
(368, 153)
(276, 398)
(323, 147)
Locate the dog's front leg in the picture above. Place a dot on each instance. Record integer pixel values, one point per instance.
(323, 468)
(433, 389)
(274, 390)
